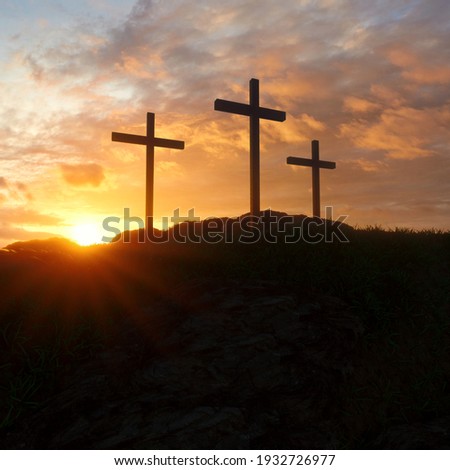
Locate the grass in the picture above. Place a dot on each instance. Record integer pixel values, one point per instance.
(30, 367)
(59, 307)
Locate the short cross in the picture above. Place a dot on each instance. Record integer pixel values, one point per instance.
(316, 164)
(255, 112)
(150, 141)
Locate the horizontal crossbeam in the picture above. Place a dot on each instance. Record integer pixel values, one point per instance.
(129, 138)
(246, 110)
(168, 143)
(144, 140)
(312, 163)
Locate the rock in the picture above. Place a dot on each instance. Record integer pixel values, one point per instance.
(220, 365)
(432, 435)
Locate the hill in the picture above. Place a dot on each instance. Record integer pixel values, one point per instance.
(227, 345)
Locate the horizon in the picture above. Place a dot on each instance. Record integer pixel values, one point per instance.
(370, 82)
(270, 226)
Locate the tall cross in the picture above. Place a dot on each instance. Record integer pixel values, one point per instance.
(316, 164)
(150, 141)
(255, 112)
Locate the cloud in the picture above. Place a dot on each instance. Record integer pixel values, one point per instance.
(313, 123)
(419, 69)
(14, 191)
(82, 174)
(359, 105)
(372, 166)
(167, 168)
(24, 216)
(404, 133)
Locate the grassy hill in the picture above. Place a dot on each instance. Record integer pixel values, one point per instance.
(362, 327)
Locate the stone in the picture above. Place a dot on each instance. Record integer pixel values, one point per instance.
(230, 364)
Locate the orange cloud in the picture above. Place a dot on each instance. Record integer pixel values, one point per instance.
(169, 169)
(148, 68)
(82, 174)
(359, 105)
(402, 58)
(417, 69)
(313, 123)
(21, 215)
(386, 96)
(403, 133)
(14, 191)
(371, 166)
(429, 75)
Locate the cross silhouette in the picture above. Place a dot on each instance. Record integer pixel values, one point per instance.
(150, 141)
(255, 112)
(316, 164)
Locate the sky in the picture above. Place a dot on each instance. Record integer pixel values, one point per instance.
(369, 79)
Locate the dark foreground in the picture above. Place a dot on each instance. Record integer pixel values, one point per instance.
(213, 346)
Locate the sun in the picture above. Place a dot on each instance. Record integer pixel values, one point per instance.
(86, 234)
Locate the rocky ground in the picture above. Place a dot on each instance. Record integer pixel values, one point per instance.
(242, 365)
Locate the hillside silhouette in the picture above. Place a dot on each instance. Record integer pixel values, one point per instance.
(227, 345)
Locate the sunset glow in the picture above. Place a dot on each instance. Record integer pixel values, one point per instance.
(369, 80)
(86, 234)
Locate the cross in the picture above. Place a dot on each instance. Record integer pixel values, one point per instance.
(316, 164)
(255, 112)
(150, 141)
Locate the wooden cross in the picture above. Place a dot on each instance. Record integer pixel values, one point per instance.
(255, 112)
(316, 164)
(150, 141)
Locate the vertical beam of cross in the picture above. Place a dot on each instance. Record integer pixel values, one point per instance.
(316, 177)
(316, 165)
(149, 172)
(255, 113)
(150, 141)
